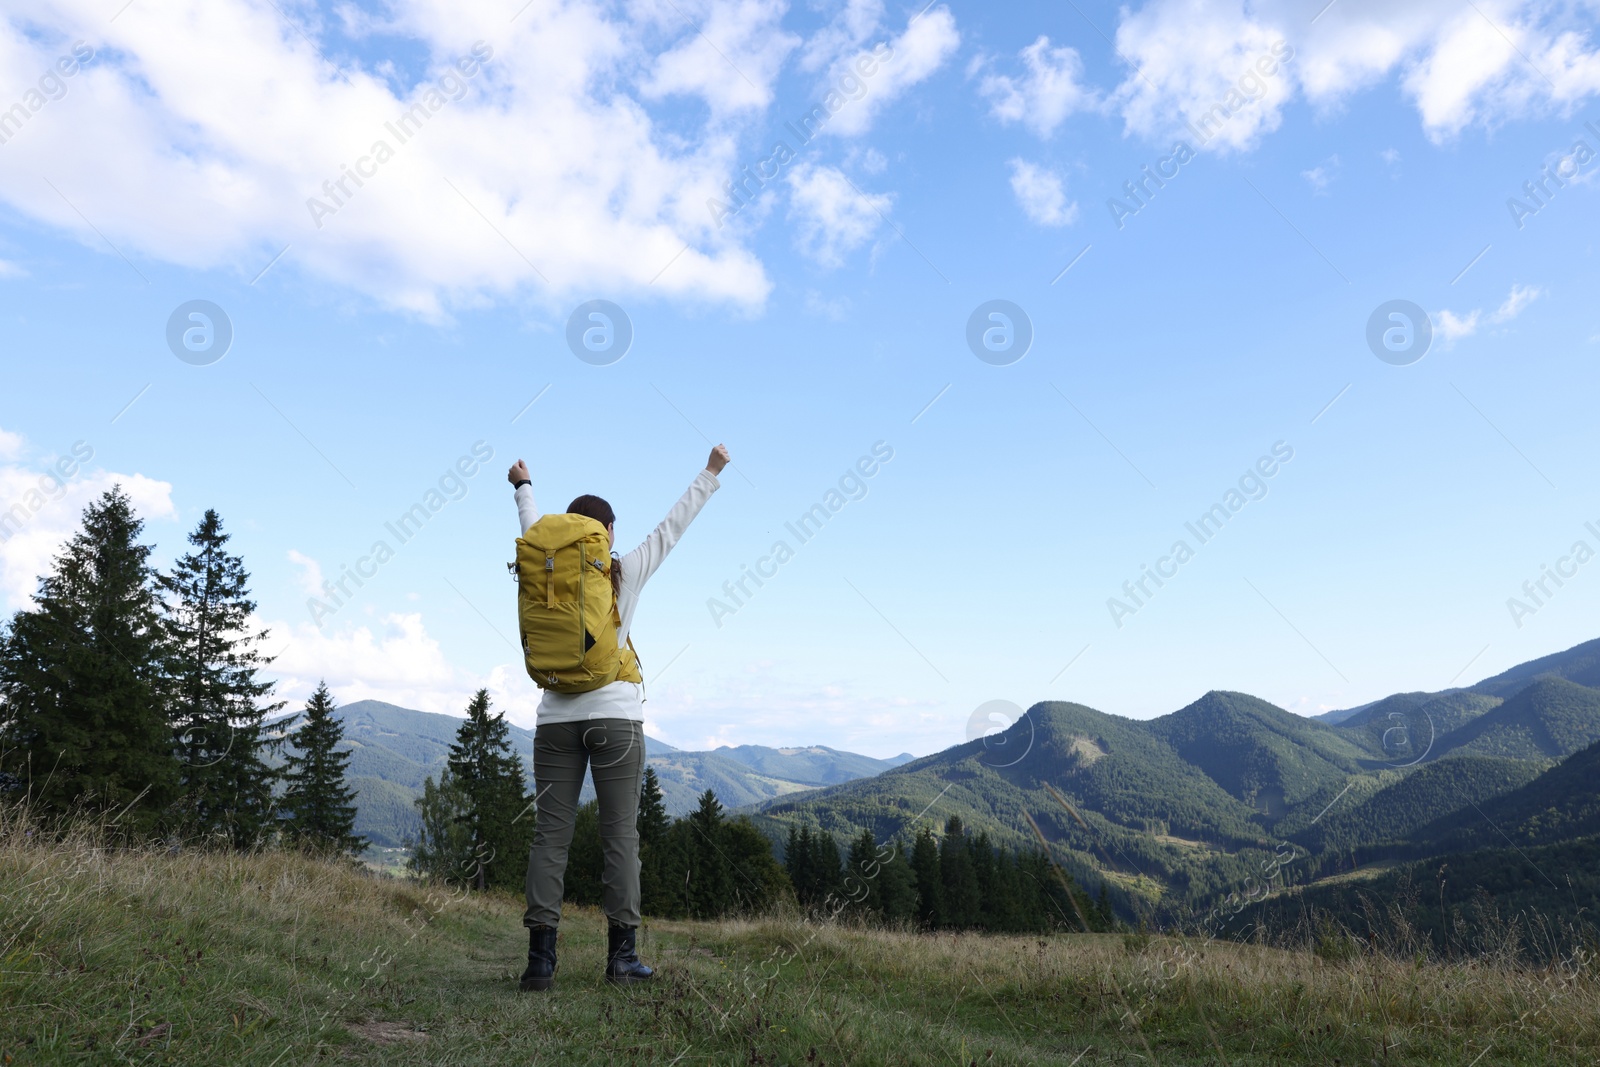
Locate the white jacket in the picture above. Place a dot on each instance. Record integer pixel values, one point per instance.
(622, 700)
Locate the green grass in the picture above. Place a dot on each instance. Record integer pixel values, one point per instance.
(275, 959)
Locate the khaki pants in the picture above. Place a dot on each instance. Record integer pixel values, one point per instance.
(614, 750)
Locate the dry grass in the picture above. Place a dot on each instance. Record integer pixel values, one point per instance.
(146, 956)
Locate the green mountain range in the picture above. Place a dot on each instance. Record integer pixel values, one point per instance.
(1511, 867)
(393, 749)
(1172, 814)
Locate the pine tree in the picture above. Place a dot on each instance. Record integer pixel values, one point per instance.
(710, 889)
(653, 818)
(896, 892)
(827, 871)
(677, 871)
(992, 906)
(654, 853)
(321, 807)
(485, 767)
(791, 858)
(1037, 894)
(863, 874)
(930, 884)
(1066, 912)
(227, 781)
(961, 900)
(586, 859)
(82, 677)
(797, 863)
(1104, 917)
(442, 848)
(755, 876)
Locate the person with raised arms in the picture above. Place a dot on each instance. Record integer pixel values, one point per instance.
(575, 608)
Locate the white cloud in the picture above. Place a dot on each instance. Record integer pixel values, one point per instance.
(1519, 297)
(733, 58)
(1459, 65)
(1043, 97)
(398, 662)
(1322, 175)
(1191, 60)
(310, 577)
(924, 46)
(848, 30)
(40, 510)
(1451, 327)
(834, 218)
(9, 269)
(1039, 192)
(199, 131)
(1390, 156)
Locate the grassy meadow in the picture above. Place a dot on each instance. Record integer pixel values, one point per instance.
(155, 956)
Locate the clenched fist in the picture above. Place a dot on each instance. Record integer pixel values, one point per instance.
(718, 460)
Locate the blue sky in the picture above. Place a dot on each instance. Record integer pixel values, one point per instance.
(1225, 317)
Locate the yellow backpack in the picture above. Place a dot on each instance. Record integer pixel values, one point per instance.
(566, 610)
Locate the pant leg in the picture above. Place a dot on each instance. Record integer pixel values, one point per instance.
(559, 757)
(616, 760)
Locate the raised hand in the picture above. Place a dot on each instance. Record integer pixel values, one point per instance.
(719, 459)
(518, 473)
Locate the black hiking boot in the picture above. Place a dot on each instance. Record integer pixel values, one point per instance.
(541, 972)
(622, 962)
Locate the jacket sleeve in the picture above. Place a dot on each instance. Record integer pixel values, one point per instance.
(641, 563)
(527, 513)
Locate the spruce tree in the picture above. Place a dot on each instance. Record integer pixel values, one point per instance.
(961, 900)
(710, 889)
(896, 892)
(1036, 888)
(930, 884)
(827, 871)
(755, 876)
(586, 859)
(992, 905)
(1103, 917)
(321, 807)
(216, 710)
(653, 818)
(677, 872)
(487, 770)
(82, 678)
(654, 828)
(797, 862)
(863, 874)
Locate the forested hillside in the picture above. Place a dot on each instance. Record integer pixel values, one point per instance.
(1259, 753)
(1551, 717)
(1580, 664)
(1174, 814)
(1561, 804)
(1408, 800)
